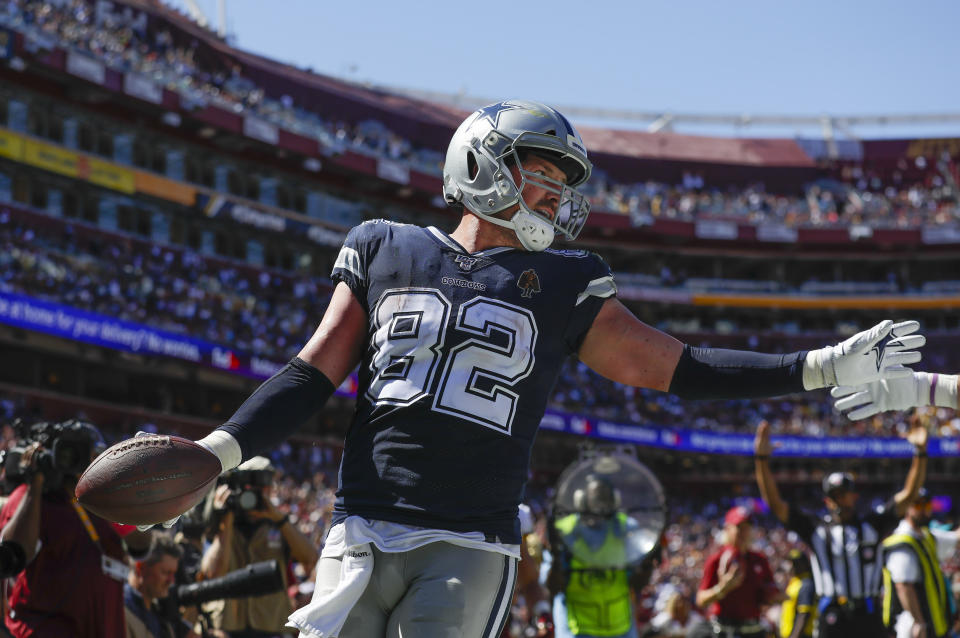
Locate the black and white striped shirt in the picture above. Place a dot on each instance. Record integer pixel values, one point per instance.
(846, 558)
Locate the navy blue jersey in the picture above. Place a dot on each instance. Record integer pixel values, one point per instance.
(463, 352)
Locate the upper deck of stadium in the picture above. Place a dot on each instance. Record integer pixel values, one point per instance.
(157, 62)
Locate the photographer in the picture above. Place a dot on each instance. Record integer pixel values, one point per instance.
(72, 585)
(252, 529)
(150, 581)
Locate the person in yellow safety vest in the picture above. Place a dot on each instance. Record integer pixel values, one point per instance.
(799, 610)
(916, 596)
(589, 578)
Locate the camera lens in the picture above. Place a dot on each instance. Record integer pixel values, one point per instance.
(247, 500)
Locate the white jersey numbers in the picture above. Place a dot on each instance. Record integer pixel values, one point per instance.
(476, 378)
(408, 327)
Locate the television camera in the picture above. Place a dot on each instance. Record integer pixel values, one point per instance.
(66, 449)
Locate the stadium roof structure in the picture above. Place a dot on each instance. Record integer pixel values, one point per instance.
(665, 121)
(428, 117)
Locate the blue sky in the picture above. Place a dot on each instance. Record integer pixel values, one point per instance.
(799, 58)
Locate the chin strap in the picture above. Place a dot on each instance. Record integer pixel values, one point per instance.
(535, 234)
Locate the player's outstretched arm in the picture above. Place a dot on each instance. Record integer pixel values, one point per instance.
(917, 390)
(294, 394)
(622, 348)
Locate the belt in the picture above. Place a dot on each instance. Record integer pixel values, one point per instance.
(847, 604)
(733, 628)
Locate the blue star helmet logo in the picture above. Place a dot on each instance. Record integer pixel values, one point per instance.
(492, 113)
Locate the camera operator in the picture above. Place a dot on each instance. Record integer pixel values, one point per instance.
(72, 585)
(190, 539)
(149, 582)
(252, 529)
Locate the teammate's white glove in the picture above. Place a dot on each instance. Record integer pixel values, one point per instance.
(881, 352)
(919, 389)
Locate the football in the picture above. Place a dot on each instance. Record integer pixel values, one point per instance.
(147, 479)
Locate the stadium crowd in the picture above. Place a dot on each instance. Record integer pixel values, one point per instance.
(125, 41)
(271, 314)
(866, 201)
(304, 486)
(179, 291)
(128, 41)
(579, 390)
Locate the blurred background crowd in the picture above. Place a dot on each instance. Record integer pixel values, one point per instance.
(151, 173)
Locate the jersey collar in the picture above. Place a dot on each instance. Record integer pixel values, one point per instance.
(455, 246)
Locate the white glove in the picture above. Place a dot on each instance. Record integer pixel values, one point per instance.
(919, 389)
(166, 524)
(881, 352)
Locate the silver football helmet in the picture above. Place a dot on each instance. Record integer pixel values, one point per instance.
(477, 169)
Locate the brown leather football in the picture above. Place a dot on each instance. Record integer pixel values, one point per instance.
(148, 479)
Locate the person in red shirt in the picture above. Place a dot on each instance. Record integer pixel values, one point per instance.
(737, 583)
(72, 586)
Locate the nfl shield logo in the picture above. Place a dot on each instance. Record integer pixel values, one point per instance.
(469, 263)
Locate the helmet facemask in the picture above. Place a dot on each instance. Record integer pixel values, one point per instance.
(482, 151)
(535, 229)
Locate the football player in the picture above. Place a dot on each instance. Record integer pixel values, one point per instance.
(460, 337)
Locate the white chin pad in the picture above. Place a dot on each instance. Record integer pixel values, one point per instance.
(534, 232)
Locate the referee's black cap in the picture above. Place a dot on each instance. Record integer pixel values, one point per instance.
(838, 482)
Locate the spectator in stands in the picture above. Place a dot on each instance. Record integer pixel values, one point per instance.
(179, 63)
(737, 583)
(848, 590)
(678, 619)
(76, 562)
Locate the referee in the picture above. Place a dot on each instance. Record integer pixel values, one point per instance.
(846, 554)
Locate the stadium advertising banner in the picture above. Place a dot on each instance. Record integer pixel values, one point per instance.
(706, 442)
(56, 159)
(85, 67)
(163, 188)
(51, 158)
(108, 175)
(100, 330)
(219, 206)
(11, 145)
(140, 86)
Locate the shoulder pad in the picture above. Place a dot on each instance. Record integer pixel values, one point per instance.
(372, 222)
(579, 254)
